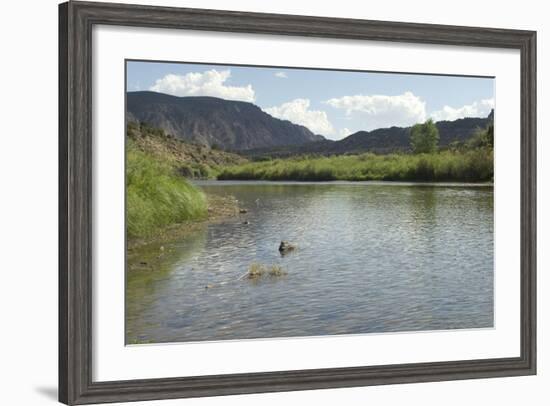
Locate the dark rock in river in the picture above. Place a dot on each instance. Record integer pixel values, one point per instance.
(285, 247)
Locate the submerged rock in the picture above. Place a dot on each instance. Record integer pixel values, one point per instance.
(285, 247)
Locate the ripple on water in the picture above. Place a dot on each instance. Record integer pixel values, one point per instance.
(370, 258)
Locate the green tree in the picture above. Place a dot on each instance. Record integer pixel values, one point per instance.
(424, 137)
(482, 138)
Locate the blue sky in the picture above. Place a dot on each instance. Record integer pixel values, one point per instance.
(330, 103)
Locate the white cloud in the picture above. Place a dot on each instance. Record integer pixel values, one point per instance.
(281, 75)
(298, 112)
(208, 83)
(343, 133)
(480, 108)
(377, 111)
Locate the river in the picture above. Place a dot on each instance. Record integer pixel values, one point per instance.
(371, 257)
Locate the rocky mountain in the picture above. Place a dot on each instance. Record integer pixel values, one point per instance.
(382, 140)
(210, 121)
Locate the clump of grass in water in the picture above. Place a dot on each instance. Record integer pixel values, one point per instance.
(276, 270)
(257, 271)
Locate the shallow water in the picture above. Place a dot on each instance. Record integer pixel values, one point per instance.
(371, 257)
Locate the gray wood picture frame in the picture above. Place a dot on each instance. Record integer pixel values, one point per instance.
(76, 20)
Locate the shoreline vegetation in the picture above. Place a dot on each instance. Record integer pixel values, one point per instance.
(156, 196)
(454, 166)
(219, 208)
(470, 161)
(161, 202)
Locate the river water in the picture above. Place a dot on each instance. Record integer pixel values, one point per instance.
(370, 258)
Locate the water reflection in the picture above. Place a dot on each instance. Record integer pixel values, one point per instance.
(370, 258)
(149, 273)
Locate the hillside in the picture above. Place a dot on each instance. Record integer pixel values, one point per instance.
(226, 124)
(192, 161)
(381, 141)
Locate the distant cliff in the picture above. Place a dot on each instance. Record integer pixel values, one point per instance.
(226, 124)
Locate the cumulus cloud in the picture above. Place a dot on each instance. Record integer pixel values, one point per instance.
(343, 133)
(208, 83)
(480, 108)
(376, 111)
(281, 75)
(297, 111)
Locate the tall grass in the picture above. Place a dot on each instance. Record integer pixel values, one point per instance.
(460, 166)
(156, 195)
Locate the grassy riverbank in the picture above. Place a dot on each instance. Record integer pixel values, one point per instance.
(156, 196)
(474, 165)
(159, 196)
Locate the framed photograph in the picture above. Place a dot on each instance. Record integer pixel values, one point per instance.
(259, 202)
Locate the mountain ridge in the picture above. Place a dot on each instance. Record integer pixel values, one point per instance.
(228, 124)
(380, 140)
(245, 128)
